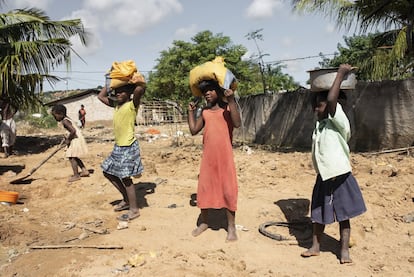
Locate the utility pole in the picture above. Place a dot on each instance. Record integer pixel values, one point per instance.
(255, 35)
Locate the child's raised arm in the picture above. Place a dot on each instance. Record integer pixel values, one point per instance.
(234, 112)
(137, 94)
(103, 97)
(195, 125)
(335, 88)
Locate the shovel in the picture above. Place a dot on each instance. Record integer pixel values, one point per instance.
(22, 180)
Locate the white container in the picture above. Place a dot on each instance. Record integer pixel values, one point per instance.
(322, 79)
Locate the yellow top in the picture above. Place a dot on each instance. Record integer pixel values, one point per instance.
(124, 124)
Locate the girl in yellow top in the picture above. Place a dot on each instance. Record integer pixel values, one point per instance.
(125, 160)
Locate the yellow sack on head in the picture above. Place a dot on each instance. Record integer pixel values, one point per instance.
(124, 73)
(213, 70)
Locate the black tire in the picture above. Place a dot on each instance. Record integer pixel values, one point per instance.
(294, 225)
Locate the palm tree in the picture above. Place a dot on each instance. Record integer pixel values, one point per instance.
(31, 45)
(394, 55)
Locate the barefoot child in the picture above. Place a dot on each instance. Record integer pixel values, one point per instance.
(336, 195)
(125, 159)
(217, 183)
(76, 145)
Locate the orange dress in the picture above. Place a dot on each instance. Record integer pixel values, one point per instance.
(217, 182)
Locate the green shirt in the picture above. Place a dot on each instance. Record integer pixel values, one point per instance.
(330, 150)
(124, 124)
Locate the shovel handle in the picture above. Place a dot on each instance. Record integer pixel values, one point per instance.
(61, 145)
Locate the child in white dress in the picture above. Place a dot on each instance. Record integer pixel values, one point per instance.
(76, 144)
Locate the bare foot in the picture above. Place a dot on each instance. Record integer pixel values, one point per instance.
(310, 253)
(345, 259)
(84, 173)
(74, 178)
(231, 234)
(201, 228)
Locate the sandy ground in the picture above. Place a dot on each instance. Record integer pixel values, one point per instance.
(78, 220)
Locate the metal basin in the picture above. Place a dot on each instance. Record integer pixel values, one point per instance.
(322, 79)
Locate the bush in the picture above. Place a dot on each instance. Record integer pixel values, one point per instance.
(45, 120)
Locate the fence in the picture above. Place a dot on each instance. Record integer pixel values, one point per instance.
(160, 112)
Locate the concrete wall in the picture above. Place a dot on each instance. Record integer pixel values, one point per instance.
(95, 109)
(381, 115)
(153, 112)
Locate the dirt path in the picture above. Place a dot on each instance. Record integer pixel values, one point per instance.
(274, 186)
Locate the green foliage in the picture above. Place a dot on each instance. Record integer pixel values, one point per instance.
(366, 52)
(272, 78)
(45, 121)
(171, 78)
(30, 46)
(391, 51)
(277, 81)
(358, 52)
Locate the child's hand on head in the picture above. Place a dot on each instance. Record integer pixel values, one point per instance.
(344, 68)
(192, 106)
(228, 93)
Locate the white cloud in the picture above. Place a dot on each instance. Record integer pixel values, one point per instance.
(287, 41)
(130, 16)
(294, 66)
(246, 56)
(260, 9)
(91, 24)
(330, 28)
(186, 32)
(94, 44)
(100, 4)
(40, 4)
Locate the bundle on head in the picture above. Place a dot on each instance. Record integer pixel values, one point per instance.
(125, 73)
(213, 70)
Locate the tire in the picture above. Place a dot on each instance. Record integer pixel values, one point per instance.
(302, 226)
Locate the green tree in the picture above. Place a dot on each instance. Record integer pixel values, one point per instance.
(357, 51)
(170, 80)
(31, 45)
(393, 57)
(272, 78)
(277, 81)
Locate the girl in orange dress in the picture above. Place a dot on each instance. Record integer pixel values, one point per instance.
(217, 183)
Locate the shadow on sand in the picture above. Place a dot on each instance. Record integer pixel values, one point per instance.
(300, 226)
(217, 218)
(141, 190)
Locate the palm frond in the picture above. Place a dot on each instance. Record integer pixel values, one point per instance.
(395, 50)
(320, 6)
(31, 45)
(400, 46)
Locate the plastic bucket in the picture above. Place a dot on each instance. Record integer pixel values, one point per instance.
(9, 196)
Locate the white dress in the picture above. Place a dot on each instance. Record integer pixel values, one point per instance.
(77, 147)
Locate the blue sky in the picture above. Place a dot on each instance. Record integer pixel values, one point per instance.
(141, 29)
